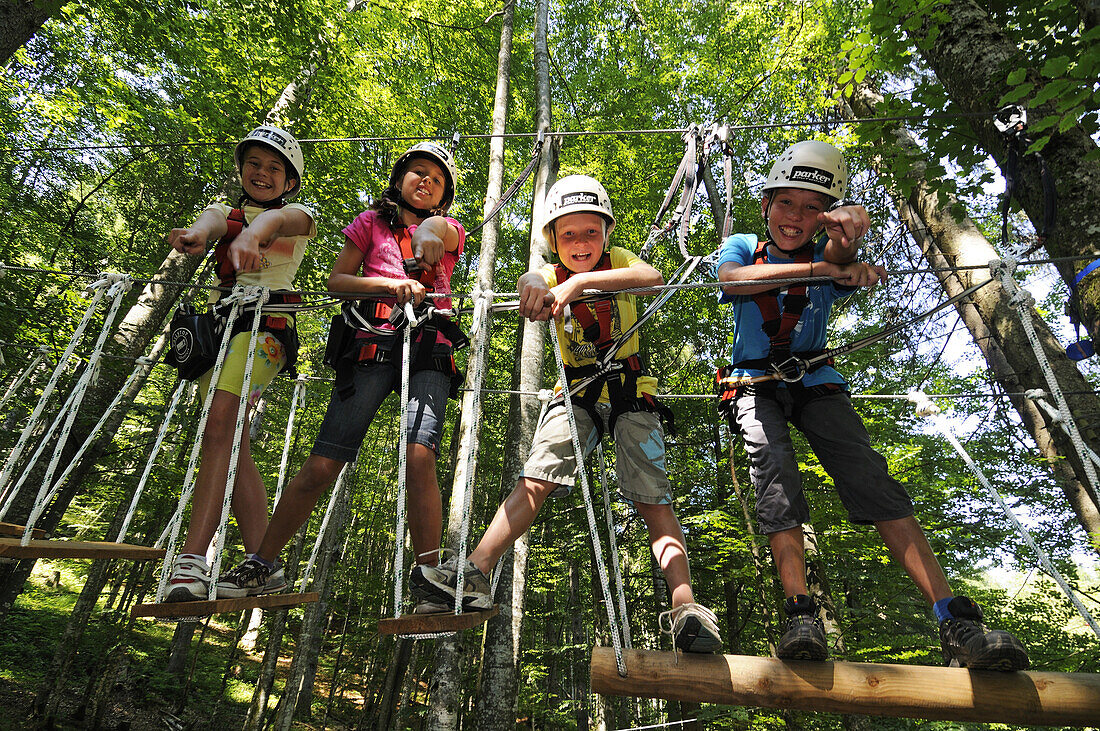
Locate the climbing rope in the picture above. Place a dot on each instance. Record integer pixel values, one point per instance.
(173, 404)
(1022, 300)
(297, 397)
(402, 459)
(42, 356)
(613, 546)
(119, 285)
(337, 490)
(926, 408)
(97, 289)
(597, 551)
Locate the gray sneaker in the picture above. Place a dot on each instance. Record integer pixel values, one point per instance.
(251, 578)
(693, 627)
(436, 584)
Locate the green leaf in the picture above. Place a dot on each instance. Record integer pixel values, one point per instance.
(1056, 66)
(1016, 76)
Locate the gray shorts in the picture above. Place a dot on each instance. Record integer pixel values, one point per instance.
(639, 452)
(346, 422)
(840, 441)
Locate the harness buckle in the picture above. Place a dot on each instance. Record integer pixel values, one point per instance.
(791, 370)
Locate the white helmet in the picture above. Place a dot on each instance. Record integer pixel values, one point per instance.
(437, 154)
(810, 165)
(281, 142)
(577, 194)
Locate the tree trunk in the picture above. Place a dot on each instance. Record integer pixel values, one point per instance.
(971, 56)
(20, 20)
(998, 331)
(303, 668)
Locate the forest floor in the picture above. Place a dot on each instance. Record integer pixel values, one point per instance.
(212, 691)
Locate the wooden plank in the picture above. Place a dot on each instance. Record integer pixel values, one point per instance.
(12, 529)
(11, 548)
(423, 624)
(180, 610)
(914, 691)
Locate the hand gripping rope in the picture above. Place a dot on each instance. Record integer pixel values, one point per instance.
(926, 408)
(119, 285)
(97, 289)
(235, 300)
(597, 550)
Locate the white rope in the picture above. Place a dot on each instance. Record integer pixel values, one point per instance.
(97, 288)
(46, 495)
(597, 550)
(161, 434)
(614, 546)
(171, 531)
(926, 408)
(297, 397)
(476, 363)
(120, 284)
(1036, 395)
(402, 459)
(337, 488)
(43, 353)
(261, 295)
(1023, 301)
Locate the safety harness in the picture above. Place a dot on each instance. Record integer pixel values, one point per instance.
(283, 328)
(345, 349)
(596, 328)
(778, 326)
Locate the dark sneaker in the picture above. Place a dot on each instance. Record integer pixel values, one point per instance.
(805, 635)
(968, 643)
(190, 580)
(693, 627)
(436, 584)
(248, 578)
(277, 581)
(427, 607)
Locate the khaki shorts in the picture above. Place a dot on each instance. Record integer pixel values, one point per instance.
(270, 359)
(639, 453)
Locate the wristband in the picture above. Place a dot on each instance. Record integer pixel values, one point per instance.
(842, 203)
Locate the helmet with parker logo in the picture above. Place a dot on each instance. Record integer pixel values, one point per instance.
(577, 194)
(279, 141)
(810, 165)
(437, 154)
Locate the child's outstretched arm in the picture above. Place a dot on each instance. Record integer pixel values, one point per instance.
(244, 252)
(845, 227)
(209, 225)
(433, 237)
(639, 274)
(850, 274)
(345, 278)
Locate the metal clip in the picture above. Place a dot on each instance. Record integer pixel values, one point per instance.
(791, 370)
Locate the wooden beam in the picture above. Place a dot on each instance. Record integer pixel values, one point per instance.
(11, 548)
(914, 691)
(423, 624)
(184, 610)
(12, 529)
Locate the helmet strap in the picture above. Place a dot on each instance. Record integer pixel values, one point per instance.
(418, 212)
(273, 203)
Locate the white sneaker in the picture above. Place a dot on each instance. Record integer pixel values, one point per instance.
(693, 627)
(190, 580)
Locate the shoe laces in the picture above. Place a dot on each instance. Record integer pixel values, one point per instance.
(672, 616)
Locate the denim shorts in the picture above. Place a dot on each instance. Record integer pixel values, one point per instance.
(639, 453)
(838, 438)
(346, 422)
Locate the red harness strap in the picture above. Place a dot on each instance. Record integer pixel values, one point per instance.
(235, 223)
(413, 270)
(779, 326)
(597, 326)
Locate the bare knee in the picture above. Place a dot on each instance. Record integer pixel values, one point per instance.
(317, 473)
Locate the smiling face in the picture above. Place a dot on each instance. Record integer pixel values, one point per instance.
(792, 216)
(264, 174)
(423, 183)
(580, 239)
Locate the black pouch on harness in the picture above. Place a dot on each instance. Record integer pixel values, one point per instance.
(193, 346)
(339, 340)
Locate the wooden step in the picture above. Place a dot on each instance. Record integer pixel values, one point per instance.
(12, 548)
(423, 624)
(184, 610)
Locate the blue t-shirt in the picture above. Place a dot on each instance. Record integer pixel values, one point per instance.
(809, 334)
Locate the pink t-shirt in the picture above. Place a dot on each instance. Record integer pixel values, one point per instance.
(382, 256)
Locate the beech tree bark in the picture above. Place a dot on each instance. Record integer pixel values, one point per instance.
(997, 329)
(972, 57)
(20, 20)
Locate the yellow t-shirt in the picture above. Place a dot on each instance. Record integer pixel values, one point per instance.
(279, 258)
(576, 351)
